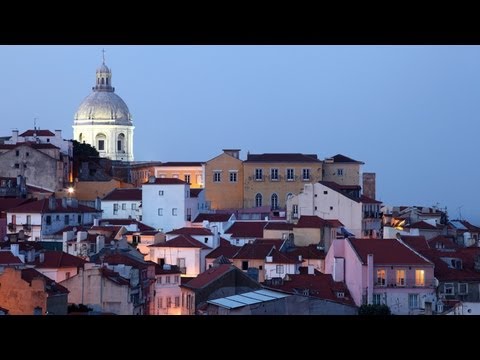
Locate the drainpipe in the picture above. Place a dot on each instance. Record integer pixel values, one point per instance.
(369, 278)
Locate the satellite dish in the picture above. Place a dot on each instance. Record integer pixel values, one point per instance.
(112, 242)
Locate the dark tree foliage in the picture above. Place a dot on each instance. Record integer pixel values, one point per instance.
(374, 310)
(82, 152)
(78, 308)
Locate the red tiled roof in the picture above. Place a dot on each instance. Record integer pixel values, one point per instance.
(307, 252)
(314, 222)
(469, 226)
(386, 252)
(339, 158)
(51, 287)
(262, 241)
(116, 259)
(212, 217)
(108, 228)
(422, 225)
(124, 194)
(254, 251)
(29, 144)
(11, 203)
(59, 259)
(247, 229)
(37, 132)
(367, 200)
(182, 241)
(209, 276)
(280, 225)
(190, 231)
(282, 157)
(181, 163)
(415, 242)
(318, 285)
(71, 228)
(41, 206)
(114, 276)
(445, 273)
(280, 258)
(228, 250)
(125, 222)
(7, 258)
(442, 242)
(166, 181)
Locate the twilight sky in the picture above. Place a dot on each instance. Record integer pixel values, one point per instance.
(411, 113)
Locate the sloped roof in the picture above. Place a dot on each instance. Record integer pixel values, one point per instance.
(415, 242)
(209, 276)
(181, 163)
(41, 206)
(280, 258)
(254, 251)
(182, 241)
(367, 200)
(125, 222)
(386, 252)
(278, 225)
(282, 157)
(11, 203)
(51, 287)
(442, 242)
(128, 194)
(422, 225)
(114, 277)
(39, 132)
(316, 222)
(226, 250)
(166, 181)
(246, 229)
(190, 231)
(7, 258)
(212, 217)
(195, 192)
(57, 260)
(119, 258)
(307, 252)
(339, 158)
(443, 272)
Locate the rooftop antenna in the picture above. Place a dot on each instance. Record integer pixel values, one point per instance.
(460, 212)
(34, 123)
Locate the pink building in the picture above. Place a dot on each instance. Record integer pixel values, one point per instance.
(383, 271)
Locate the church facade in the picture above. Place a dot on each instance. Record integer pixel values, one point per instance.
(103, 120)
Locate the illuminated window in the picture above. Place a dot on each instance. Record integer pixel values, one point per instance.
(400, 277)
(274, 174)
(419, 277)
(413, 301)
(217, 176)
(381, 277)
(290, 174)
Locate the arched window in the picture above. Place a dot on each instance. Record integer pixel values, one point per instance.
(258, 200)
(80, 138)
(288, 196)
(106, 80)
(274, 201)
(120, 142)
(100, 141)
(103, 81)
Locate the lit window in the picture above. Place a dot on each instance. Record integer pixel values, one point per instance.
(419, 277)
(274, 174)
(400, 277)
(413, 301)
(217, 176)
(290, 174)
(381, 277)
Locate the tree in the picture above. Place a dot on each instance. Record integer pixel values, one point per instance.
(374, 310)
(82, 152)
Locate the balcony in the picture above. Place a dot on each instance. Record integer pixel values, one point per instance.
(408, 283)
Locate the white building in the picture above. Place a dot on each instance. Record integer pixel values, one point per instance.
(47, 216)
(167, 204)
(104, 121)
(203, 235)
(167, 291)
(359, 214)
(38, 136)
(123, 204)
(184, 251)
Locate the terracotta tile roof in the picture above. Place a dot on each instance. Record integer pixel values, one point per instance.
(316, 285)
(339, 189)
(182, 241)
(39, 132)
(227, 250)
(316, 222)
(263, 241)
(212, 217)
(443, 272)
(29, 144)
(185, 279)
(246, 229)
(117, 258)
(280, 258)
(57, 260)
(190, 231)
(195, 192)
(209, 276)
(307, 252)
(124, 194)
(422, 225)
(386, 252)
(108, 228)
(442, 242)
(51, 287)
(166, 181)
(282, 157)
(415, 242)
(125, 222)
(114, 277)
(274, 225)
(41, 206)
(11, 203)
(181, 163)
(367, 200)
(7, 258)
(339, 158)
(469, 226)
(253, 251)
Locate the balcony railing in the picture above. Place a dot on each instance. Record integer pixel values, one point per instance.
(407, 283)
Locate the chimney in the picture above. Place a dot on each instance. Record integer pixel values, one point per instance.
(100, 241)
(338, 273)
(95, 222)
(58, 134)
(52, 202)
(98, 203)
(269, 259)
(300, 258)
(14, 138)
(41, 257)
(81, 235)
(369, 278)
(369, 185)
(15, 249)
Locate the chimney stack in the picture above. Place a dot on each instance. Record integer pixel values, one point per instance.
(369, 189)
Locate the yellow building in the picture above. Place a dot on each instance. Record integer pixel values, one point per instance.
(342, 170)
(270, 178)
(190, 172)
(224, 181)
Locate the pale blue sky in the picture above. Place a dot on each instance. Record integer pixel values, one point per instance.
(411, 113)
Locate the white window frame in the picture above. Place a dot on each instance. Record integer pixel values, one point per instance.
(274, 174)
(279, 269)
(288, 177)
(377, 299)
(258, 174)
(307, 172)
(381, 281)
(217, 176)
(397, 282)
(449, 286)
(233, 176)
(417, 283)
(413, 304)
